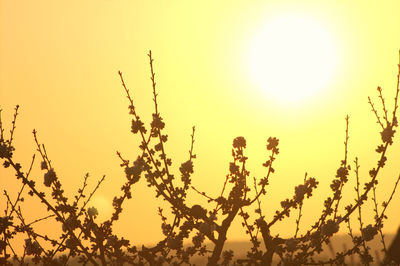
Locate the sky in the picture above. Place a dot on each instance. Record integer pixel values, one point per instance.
(59, 60)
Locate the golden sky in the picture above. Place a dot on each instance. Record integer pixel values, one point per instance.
(59, 62)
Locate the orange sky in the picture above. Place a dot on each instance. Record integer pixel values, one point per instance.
(59, 61)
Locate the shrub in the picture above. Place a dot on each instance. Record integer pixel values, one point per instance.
(89, 241)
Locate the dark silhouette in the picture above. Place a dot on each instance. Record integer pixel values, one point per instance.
(83, 238)
(393, 253)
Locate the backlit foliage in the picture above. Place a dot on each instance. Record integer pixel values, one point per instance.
(86, 240)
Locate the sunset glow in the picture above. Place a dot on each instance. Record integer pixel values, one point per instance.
(290, 71)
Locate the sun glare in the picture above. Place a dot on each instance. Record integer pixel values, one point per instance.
(292, 58)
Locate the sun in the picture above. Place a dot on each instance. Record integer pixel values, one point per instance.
(292, 58)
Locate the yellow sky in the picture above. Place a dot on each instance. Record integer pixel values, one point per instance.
(59, 61)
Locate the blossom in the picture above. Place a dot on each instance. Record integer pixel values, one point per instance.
(32, 248)
(206, 228)
(272, 144)
(186, 168)
(330, 228)
(174, 243)
(342, 173)
(299, 192)
(5, 151)
(43, 165)
(49, 177)
(387, 134)
(157, 122)
(198, 211)
(137, 125)
(5, 222)
(93, 212)
(369, 232)
(233, 168)
(239, 142)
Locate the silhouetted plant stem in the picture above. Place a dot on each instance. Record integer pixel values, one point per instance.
(375, 201)
(299, 215)
(375, 112)
(365, 248)
(51, 208)
(21, 189)
(164, 157)
(94, 242)
(226, 223)
(344, 165)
